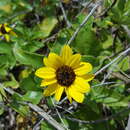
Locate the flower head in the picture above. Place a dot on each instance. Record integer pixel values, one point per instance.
(6, 32)
(65, 73)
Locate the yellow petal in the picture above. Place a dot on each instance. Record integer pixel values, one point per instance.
(7, 29)
(7, 37)
(0, 25)
(45, 72)
(88, 77)
(74, 61)
(59, 92)
(13, 33)
(80, 85)
(68, 96)
(1, 34)
(77, 96)
(5, 24)
(83, 68)
(66, 53)
(53, 61)
(46, 82)
(50, 90)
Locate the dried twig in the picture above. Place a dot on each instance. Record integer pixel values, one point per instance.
(59, 114)
(41, 112)
(65, 110)
(64, 99)
(112, 68)
(38, 122)
(47, 117)
(128, 124)
(106, 66)
(107, 83)
(85, 6)
(121, 77)
(64, 15)
(36, 125)
(83, 23)
(50, 38)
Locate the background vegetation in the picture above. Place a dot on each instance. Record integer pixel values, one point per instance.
(99, 30)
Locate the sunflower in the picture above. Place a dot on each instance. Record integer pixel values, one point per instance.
(6, 32)
(65, 73)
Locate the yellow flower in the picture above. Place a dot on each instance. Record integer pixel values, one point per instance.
(65, 73)
(6, 32)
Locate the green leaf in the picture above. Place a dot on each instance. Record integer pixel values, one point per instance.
(1, 108)
(17, 97)
(5, 48)
(46, 126)
(21, 109)
(1, 111)
(7, 61)
(3, 71)
(7, 58)
(12, 83)
(121, 4)
(124, 64)
(93, 105)
(27, 58)
(3, 60)
(2, 91)
(30, 84)
(47, 26)
(108, 43)
(86, 42)
(33, 46)
(87, 113)
(33, 96)
(109, 97)
(56, 48)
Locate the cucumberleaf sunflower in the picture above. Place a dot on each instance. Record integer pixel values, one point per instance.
(65, 73)
(6, 32)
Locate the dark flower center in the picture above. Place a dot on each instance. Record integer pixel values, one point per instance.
(65, 75)
(2, 29)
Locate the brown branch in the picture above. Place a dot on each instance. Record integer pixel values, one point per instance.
(113, 61)
(84, 22)
(121, 77)
(50, 38)
(41, 112)
(128, 124)
(64, 15)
